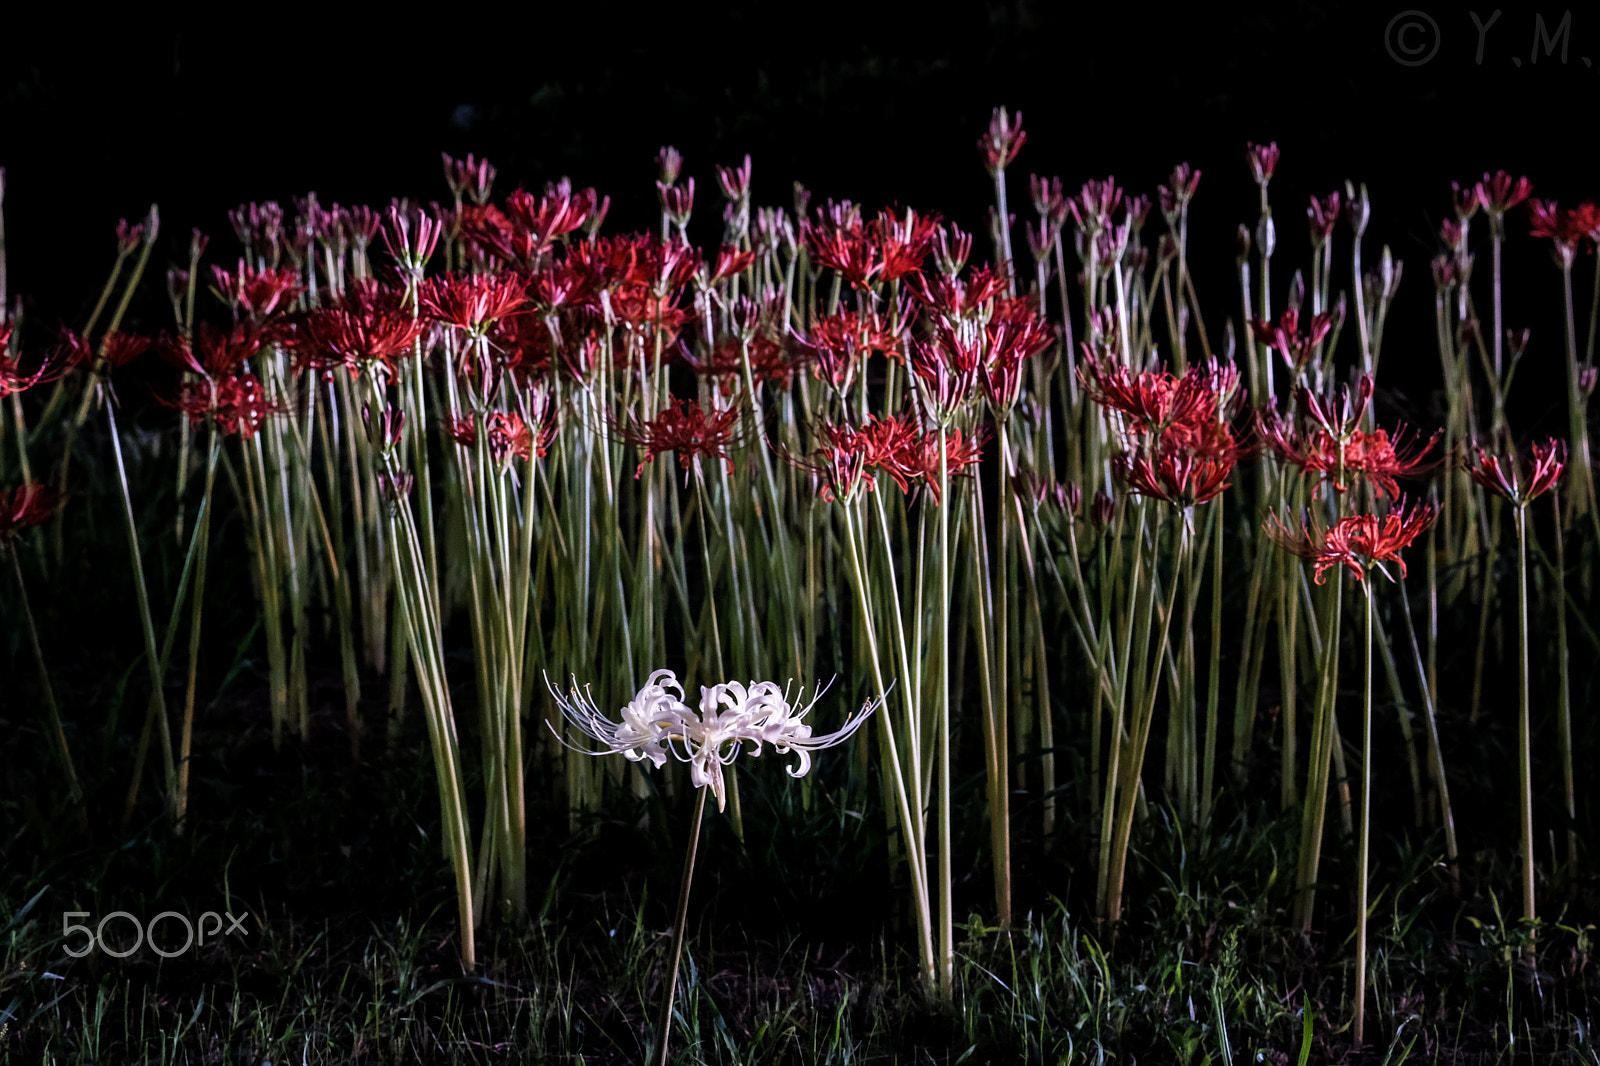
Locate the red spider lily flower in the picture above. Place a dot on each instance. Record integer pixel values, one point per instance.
(1323, 215)
(1468, 200)
(259, 227)
(1549, 461)
(848, 251)
(1092, 208)
(1374, 456)
(951, 297)
(257, 293)
(65, 356)
(841, 462)
(1048, 199)
(1501, 193)
(118, 349)
(370, 327)
(1174, 197)
(469, 178)
(1565, 226)
(528, 226)
(1176, 475)
(1152, 400)
(731, 261)
(725, 366)
(471, 302)
(1011, 343)
(922, 456)
(507, 435)
(948, 365)
(903, 243)
(31, 504)
(1359, 543)
(1262, 160)
(558, 212)
(1452, 233)
(1002, 141)
(1338, 417)
(563, 283)
(1296, 348)
(361, 225)
(677, 201)
(684, 427)
(235, 402)
(735, 181)
(213, 353)
(837, 344)
(410, 238)
(951, 248)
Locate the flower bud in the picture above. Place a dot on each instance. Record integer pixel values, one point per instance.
(1241, 244)
(1358, 209)
(1297, 292)
(1517, 342)
(1103, 510)
(1266, 235)
(668, 164)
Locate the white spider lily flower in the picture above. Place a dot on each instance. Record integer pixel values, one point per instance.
(730, 716)
(647, 720)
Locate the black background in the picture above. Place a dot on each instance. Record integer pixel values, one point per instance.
(878, 104)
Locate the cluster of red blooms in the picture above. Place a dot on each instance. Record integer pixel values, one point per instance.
(896, 446)
(1566, 226)
(1295, 347)
(1178, 445)
(1359, 542)
(684, 427)
(227, 391)
(367, 329)
(1548, 462)
(884, 250)
(1331, 447)
(507, 435)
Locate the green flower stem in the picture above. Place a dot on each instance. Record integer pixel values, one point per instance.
(1322, 743)
(1366, 820)
(1486, 602)
(664, 1021)
(995, 733)
(1524, 739)
(157, 700)
(339, 562)
(180, 806)
(1139, 595)
(427, 652)
(1435, 756)
(1403, 714)
(915, 848)
(1144, 716)
(156, 665)
(1213, 671)
(58, 734)
(1563, 670)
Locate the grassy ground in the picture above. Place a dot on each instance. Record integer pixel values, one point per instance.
(795, 953)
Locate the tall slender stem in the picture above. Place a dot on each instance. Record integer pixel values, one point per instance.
(1524, 763)
(664, 1023)
(58, 735)
(1366, 821)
